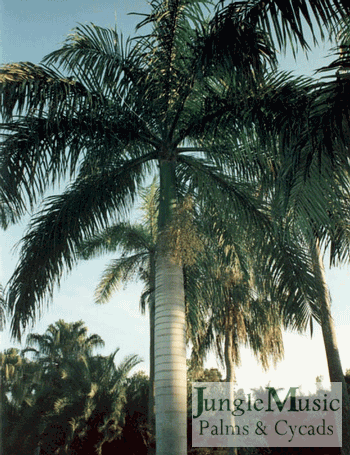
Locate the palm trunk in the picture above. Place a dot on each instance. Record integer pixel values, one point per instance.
(331, 346)
(150, 419)
(170, 340)
(229, 362)
(230, 372)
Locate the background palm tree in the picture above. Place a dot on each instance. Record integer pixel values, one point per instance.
(66, 398)
(137, 247)
(19, 376)
(161, 100)
(227, 306)
(93, 397)
(320, 179)
(61, 341)
(62, 349)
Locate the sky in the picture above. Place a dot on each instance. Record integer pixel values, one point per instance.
(28, 31)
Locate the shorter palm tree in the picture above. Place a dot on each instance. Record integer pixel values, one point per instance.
(228, 307)
(74, 397)
(136, 245)
(93, 402)
(19, 378)
(62, 341)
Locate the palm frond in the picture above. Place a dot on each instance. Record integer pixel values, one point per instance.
(213, 186)
(40, 146)
(97, 56)
(120, 271)
(121, 236)
(234, 39)
(127, 365)
(286, 20)
(49, 149)
(287, 269)
(35, 89)
(63, 224)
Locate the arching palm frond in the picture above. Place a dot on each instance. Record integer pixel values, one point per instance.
(26, 87)
(286, 270)
(99, 58)
(285, 20)
(61, 230)
(60, 122)
(124, 236)
(233, 38)
(135, 243)
(210, 184)
(43, 136)
(120, 271)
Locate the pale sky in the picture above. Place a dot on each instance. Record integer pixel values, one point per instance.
(28, 31)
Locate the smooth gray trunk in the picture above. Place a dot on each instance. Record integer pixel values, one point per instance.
(170, 338)
(170, 360)
(151, 415)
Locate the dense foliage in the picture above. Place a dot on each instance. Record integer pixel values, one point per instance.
(66, 399)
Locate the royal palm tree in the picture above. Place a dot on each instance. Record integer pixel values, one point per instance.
(160, 100)
(320, 178)
(136, 243)
(311, 245)
(333, 94)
